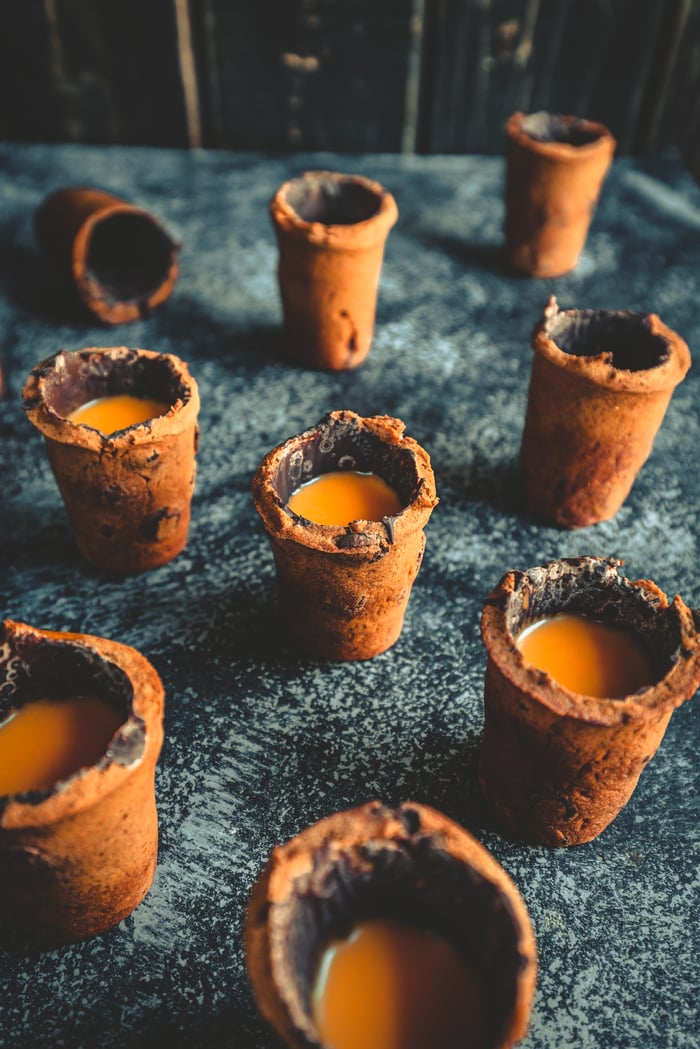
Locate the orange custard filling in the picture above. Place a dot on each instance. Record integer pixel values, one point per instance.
(48, 740)
(392, 986)
(342, 496)
(586, 656)
(117, 412)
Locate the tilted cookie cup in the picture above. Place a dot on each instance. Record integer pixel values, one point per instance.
(344, 590)
(77, 858)
(411, 864)
(557, 767)
(600, 384)
(128, 495)
(555, 167)
(119, 258)
(331, 230)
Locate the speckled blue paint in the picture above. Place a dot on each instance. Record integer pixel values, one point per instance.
(260, 742)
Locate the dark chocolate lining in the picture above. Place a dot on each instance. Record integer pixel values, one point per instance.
(332, 201)
(129, 256)
(85, 375)
(552, 127)
(345, 445)
(591, 587)
(624, 337)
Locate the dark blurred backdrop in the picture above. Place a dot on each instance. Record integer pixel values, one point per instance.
(426, 76)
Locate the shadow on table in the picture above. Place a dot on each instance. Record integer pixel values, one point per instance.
(498, 484)
(231, 338)
(35, 286)
(479, 254)
(32, 538)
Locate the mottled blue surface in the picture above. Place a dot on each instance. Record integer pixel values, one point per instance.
(260, 742)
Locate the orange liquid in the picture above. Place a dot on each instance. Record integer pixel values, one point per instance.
(342, 496)
(390, 986)
(47, 740)
(110, 414)
(586, 656)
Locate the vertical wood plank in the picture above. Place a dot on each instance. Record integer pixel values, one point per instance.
(672, 105)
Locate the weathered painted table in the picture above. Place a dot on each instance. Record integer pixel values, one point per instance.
(261, 742)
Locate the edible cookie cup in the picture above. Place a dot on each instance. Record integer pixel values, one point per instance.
(78, 857)
(555, 167)
(128, 494)
(119, 258)
(344, 589)
(410, 864)
(556, 767)
(600, 384)
(331, 231)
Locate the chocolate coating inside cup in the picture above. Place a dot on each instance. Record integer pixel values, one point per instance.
(343, 445)
(73, 379)
(588, 587)
(129, 256)
(332, 201)
(551, 127)
(625, 337)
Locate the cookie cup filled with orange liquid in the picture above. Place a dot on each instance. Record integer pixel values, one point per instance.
(344, 586)
(389, 928)
(126, 471)
(78, 819)
(557, 765)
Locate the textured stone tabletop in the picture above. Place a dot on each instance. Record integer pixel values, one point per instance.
(259, 741)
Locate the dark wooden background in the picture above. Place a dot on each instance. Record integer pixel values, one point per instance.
(426, 76)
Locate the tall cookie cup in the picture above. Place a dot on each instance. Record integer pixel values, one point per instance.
(600, 384)
(409, 864)
(556, 767)
(128, 494)
(119, 259)
(79, 856)
(344, 589)
(331, 230)
(555, 167)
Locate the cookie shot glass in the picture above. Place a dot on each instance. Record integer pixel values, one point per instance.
(121, 434)
(555, 169)
(346, 566)
(585, 668)
(81, 728)
(600, 384)
(331, 232)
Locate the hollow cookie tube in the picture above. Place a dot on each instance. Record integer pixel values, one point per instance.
(120, 260)
(331, 231)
